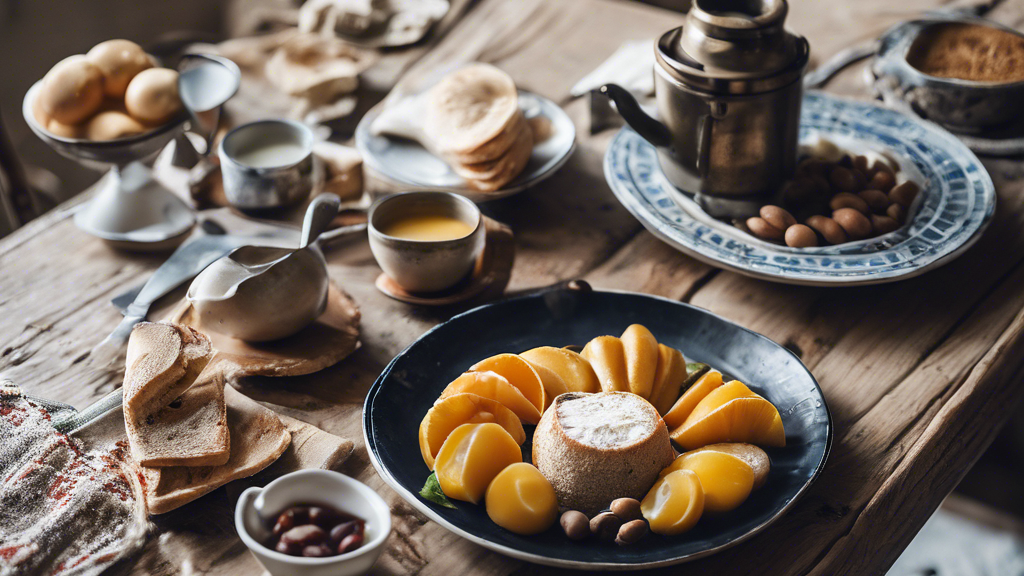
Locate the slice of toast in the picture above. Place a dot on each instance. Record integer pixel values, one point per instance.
(169, 421)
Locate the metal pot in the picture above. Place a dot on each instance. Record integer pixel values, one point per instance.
(728, 90)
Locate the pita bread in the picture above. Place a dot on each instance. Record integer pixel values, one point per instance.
(503, 165)
(470, 107)
(258, 438)
(496, 147)
(512, 166)
(191, 431)
(162, 361)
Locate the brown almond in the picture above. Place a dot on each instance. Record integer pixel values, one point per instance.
(849, 200)
(631, 532)
(798, 190)
(883, 224)
(842, 179)
(876, 199)
(881, 166)
(821, 185)
(575, 524)
(855, 223)
(882, 180)
(828, 228)
(627, 509)
(605, 526)
(801, 236)
(904, 194)
(762, 229)
(813, 166)
(897, 213)
(777, 217)
(861, 163)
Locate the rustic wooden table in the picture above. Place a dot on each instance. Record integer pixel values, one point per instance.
(919, 375)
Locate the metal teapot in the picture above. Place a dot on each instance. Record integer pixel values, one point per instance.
(728, 89)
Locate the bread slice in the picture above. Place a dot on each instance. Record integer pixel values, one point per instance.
(170, 422)
(191, 431)
(594, 448)
(258, 438)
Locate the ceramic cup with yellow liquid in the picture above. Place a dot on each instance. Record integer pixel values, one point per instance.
(426, 241)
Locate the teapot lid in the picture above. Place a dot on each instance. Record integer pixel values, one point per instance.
(734, 46)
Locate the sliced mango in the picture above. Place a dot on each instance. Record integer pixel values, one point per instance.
(522, 500)
(608, 358)
(668, 378)
(554, 385)
(749, 420)
(471, 456)
(519, 373)
(689, 400)
(674, 504)
(756, 458)
(641, 355)
(726, 479)
(450, 412)
(575, 370)
(719, 396)
(497, 388)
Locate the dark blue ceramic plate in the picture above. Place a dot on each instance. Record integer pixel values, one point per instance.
(412, 382)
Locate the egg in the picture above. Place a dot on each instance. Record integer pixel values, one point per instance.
(119, 61)
(113, 124)
(64, 130)
(72, 90)
(40, 115)
(152, 96)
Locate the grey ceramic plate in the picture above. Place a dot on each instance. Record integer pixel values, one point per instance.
(412, 382)
(406, 162)
(956, 205)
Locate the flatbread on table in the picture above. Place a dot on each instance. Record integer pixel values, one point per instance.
(496, 147)
(258, 438)
(325, 342)
(513, 165)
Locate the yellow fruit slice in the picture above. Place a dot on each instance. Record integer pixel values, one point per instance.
(674, 504)
(450, 412)
(574, 369)
(756, 458)
(668, 378)
(750, 420)
(554, 385)
(519, 373)
(497, 388)
(608, 358)
(689, 400)
(719, 396)
(471, 457)
(641, 355)
(726, 479)
(522, 500)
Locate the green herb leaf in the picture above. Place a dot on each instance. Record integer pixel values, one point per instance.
(694, 370)
(432, 491)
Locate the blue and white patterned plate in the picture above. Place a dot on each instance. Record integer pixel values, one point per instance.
(957, 202)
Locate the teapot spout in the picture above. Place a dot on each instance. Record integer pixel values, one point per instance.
(650, 129)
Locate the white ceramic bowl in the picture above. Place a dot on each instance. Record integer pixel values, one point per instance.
(313, 487)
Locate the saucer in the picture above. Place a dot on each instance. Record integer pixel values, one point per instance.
(491, 273)
(956, 204)
(407, 163)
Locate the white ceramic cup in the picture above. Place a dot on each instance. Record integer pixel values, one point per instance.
(258, 506)
(419, 265)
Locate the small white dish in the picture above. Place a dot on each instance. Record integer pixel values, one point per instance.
(408, 163)
(257, 506)
(139, 214)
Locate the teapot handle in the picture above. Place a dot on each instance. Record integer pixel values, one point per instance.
(650, 129)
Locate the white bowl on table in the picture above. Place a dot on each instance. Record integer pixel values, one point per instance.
(257, 506)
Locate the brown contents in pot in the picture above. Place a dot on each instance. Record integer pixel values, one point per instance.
(969, 52)
(316, 531)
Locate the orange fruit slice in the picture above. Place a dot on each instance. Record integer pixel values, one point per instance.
(497, 388)
(726, 479)
(668, 378)
(574, 369)
(751, 420)
(689, 400)
(450, 412)
(640, 350)
(554, 385)
(608, 358)
(519, 373)
(719, 396)
(471, 456)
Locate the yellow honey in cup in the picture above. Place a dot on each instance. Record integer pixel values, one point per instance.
(428, 228)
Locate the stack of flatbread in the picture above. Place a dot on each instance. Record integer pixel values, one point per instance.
(473, 121)
(185, 437)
